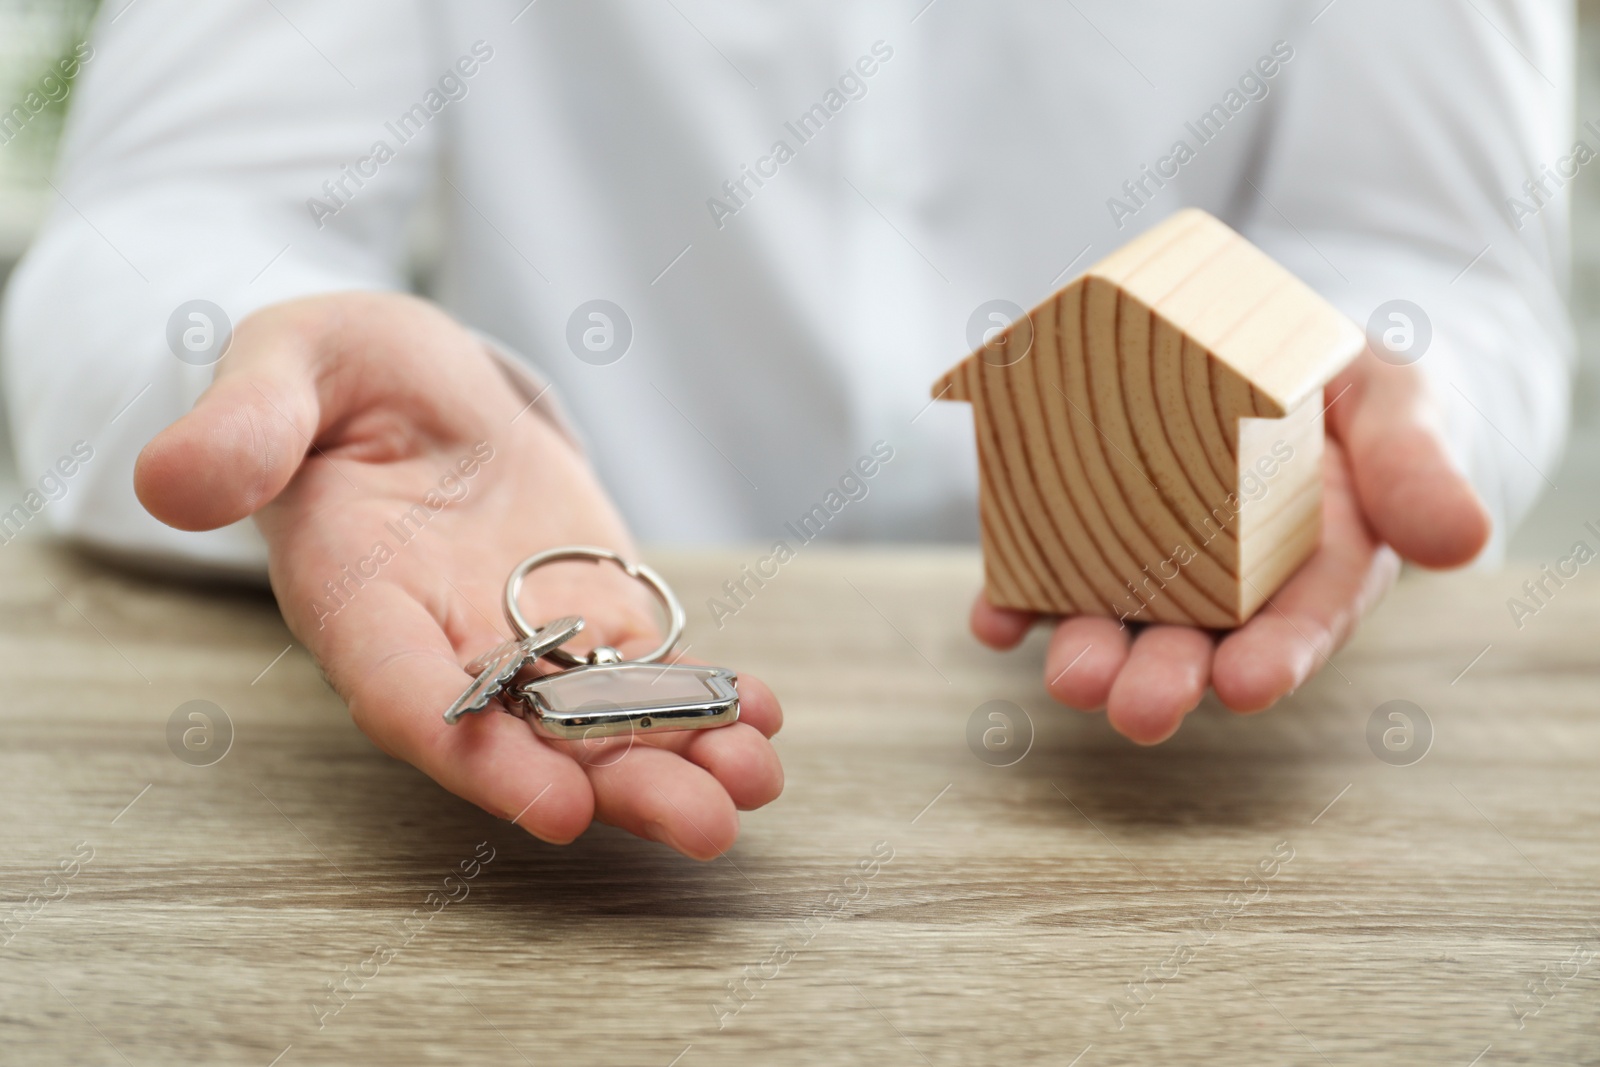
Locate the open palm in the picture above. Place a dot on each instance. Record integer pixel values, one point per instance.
(397, 478)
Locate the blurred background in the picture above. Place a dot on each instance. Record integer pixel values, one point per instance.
(35, 34)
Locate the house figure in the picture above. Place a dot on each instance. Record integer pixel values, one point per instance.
(1150, 437)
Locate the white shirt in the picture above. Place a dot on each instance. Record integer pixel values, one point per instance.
(781, 328)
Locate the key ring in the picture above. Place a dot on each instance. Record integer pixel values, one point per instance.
(604, 653)
(601, 694)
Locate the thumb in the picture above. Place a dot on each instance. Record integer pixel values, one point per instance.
(244, 438)
(1411, 492)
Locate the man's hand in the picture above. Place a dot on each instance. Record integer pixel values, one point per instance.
(1389, 492)
(372, 436)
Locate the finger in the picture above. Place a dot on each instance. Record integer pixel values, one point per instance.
(658, 795)
(1298, 632)
(1163, 680)
(1411, 491)
(393, 665)
(742, 761)
(999, 628)
(292, 373)
(1306, 621)
(238, 446)
(759, 706)
(1085, 654)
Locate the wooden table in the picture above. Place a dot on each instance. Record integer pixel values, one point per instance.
(1257, 890)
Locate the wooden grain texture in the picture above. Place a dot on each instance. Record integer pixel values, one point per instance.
(1150, 436)
(1018, 907)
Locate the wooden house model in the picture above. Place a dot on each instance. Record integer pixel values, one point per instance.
(1150, 436)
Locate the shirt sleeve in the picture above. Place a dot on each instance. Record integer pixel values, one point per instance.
(1417, 154)
(236, 152)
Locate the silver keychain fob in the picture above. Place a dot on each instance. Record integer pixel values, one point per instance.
(598, 694)
(610, 699)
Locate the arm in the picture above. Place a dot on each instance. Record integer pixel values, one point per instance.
(397, 481)
(1384, 175)
(394, 473)
(1402, 153)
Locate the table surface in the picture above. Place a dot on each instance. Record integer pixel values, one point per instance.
(1259, 889)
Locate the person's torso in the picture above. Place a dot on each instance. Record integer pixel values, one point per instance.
(797, 220)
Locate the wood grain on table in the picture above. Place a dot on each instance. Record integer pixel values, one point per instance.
(1262, 889)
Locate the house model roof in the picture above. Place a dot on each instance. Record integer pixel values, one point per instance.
(1230, 299)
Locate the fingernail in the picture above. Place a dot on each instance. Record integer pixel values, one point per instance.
(1303, 667)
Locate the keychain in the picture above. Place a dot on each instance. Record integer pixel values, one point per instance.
(600, 694)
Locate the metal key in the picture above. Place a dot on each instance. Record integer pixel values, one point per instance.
(496, 668)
